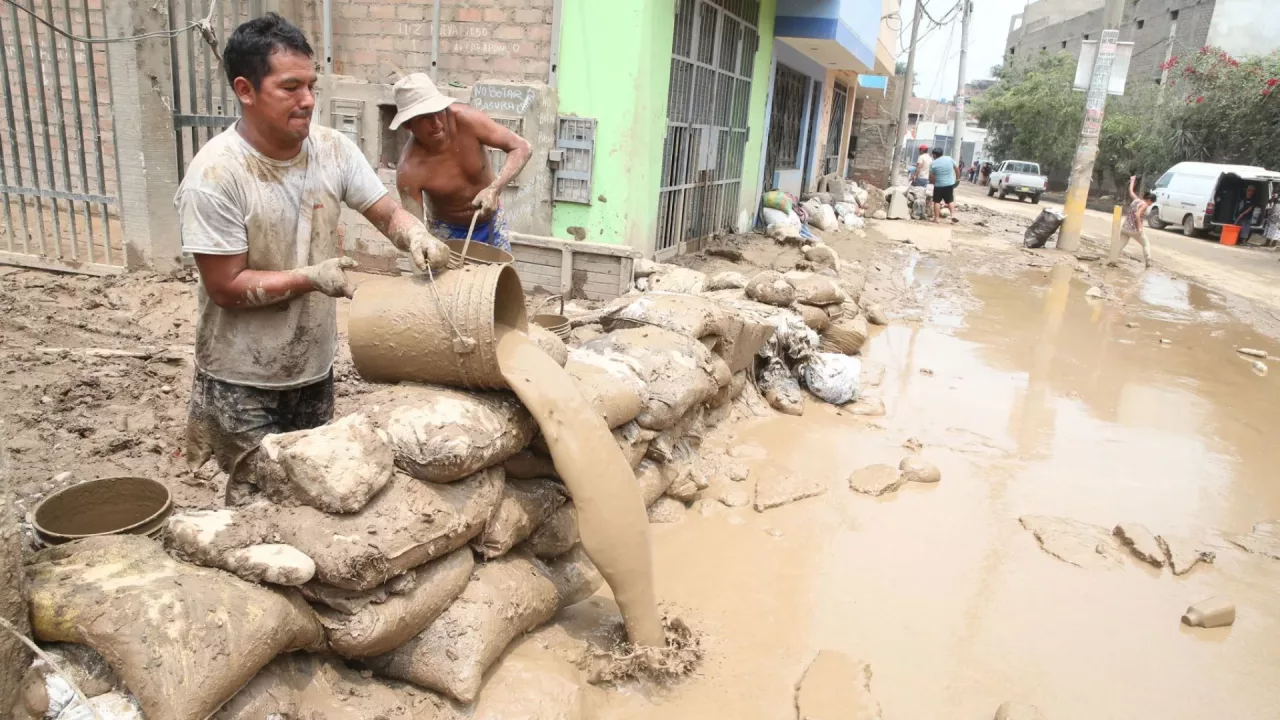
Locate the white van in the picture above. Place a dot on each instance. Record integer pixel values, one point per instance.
(1202, 196)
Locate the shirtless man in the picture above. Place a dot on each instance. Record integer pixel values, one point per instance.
(446, 160)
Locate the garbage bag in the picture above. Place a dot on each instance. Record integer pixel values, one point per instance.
(825, 219)
(1042, 228)
(833, 377)
(776, 200)
(679, 280)
(781, 389)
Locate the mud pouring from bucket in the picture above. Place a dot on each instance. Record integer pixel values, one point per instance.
(466, 327)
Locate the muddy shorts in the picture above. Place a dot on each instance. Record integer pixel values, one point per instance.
(229, 421)
(495, 232)
(944, 194)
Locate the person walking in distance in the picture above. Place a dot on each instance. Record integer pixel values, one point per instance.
(445, 159)
(945, 176)
(259, 211)
(1131, 228)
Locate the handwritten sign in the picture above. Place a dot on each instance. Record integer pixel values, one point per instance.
(503, 99)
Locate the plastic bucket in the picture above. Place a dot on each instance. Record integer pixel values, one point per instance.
(1230, 234)
(107, 506)
(557, 324)
(408, 329)
(477, 254)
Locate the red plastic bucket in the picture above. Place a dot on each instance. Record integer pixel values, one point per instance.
(1230, 234)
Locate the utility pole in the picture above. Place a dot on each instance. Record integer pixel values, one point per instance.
(957, 132)
(1095, 104)
(908, 86)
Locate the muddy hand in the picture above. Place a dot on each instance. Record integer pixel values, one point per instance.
(330, 277)
(425, 250)
(486, 201)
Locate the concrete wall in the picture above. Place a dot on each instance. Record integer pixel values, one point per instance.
(615, 67)
(1247, 27)
(757, 119)
(875, 127)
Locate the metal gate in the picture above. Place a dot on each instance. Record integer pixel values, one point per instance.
(57, 148)
(713, 57)
(839, 101)
(785, 122)
(203, 101)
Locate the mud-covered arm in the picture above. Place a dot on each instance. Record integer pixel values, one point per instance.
(230, 283)
(493, 135)
(408, 234)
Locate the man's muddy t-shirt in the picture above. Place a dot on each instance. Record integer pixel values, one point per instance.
(233, 200)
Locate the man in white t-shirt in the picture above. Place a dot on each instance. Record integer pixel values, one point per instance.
(923, 164)
(259, 208)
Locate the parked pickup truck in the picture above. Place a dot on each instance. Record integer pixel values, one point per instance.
(1015, 177)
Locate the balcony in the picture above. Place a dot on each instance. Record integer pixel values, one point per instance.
(837, 34)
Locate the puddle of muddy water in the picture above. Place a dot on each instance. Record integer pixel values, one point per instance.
(1039, 402)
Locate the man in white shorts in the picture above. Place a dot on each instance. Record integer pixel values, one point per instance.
(259, 209)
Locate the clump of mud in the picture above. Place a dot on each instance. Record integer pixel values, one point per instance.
(625, 661)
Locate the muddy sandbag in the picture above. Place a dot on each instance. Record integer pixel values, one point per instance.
(304, 685)
(381, 627)
(833, 377)
(526, 465)
(816, 290)
(846, 335)
(108, 706)
(678, 280)
(815, 317)
(336, 467)
(611, 383)
(726, 281)
(506, 598)
(46, 693)
(690, 315)
(770, 288)
(575, 576)
(654, 479)
(443, 435)
(679, 371)
(822, 256)
(525, 505)
(407, 524)
(557, 535)
(193, 535)
(550, 343)
(1042, 228)
(183, 639)
(780, 389)
(634, 441)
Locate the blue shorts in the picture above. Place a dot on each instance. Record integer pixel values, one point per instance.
(493, 232)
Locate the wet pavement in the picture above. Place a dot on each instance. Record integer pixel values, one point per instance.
(1032, 400)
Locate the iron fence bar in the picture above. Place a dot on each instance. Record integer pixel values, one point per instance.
(192, 102)
(31, 135)
(181, 121)
(208, 86)
(44, 131)
(176, 76)
(60, 117)
(222, 33)
(79, 114)
(13, 143)
(26, 121)
(8, 215)
(92, 65)
(57, 194)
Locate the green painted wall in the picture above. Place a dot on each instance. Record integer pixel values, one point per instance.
(615, 66)
(757, 120)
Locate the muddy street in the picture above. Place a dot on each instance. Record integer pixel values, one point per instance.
(1057, 398)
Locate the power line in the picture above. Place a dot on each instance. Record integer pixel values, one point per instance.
(205, 27)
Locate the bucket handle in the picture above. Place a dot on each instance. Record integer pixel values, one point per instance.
(556, 297)
(462, 344)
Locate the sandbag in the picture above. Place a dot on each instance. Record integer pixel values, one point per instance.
(109, 706)
(690, 315)
(507, 597)
(193, 535)
(770, 288)
(780, 389)
(45, 693)
(1042, 228)
(814, 317)
(726, 281)
(654, 479)
(443, 435)
(575, 576)
(526, 465)
(525, 505)
(610, 382)
(633, 441)
(776, 200)
(557, 535)
(550, 343)
(833, 377)
(816, 290)
(302, 686)
(846, 335)
(183, 639)
(407, 524)
(822, 256)
(381, 627)
(825, 219)
(678, 371)
(678, 280)
(336, 467)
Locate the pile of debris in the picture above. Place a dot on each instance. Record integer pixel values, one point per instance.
(836, 205)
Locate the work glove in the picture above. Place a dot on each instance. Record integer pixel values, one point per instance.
(486, 201)
(330, 277)
(425, 250)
